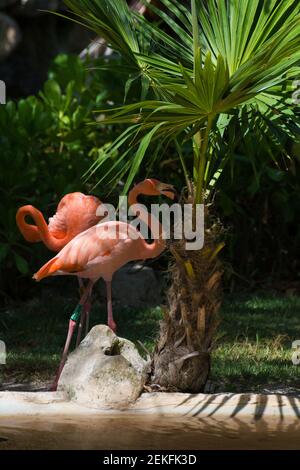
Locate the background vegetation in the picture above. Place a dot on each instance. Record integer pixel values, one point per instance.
(47, 145)
(46, 148)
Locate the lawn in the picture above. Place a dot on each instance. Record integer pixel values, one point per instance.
(252, 350)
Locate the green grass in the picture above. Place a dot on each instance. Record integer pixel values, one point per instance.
(252, 350)
(255, 340)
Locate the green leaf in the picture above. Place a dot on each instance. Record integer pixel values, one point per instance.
(275, 175)
(128, 84)
(21, 264)
(4, 249)
(138, 158)
(69, 95)
(53, 93)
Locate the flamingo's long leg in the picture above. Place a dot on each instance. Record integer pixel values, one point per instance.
(110, 319)
(81, 286)
(81, 322)
(72, 325)
(88, 306)
(85, 314)
(84, 318)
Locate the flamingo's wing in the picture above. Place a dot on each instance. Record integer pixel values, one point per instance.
(92, 245)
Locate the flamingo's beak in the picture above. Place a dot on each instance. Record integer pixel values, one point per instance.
(167, 190)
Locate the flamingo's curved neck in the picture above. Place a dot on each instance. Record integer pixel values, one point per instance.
(158, 245)
(38, 232)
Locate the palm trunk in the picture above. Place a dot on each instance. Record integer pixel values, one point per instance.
(182, 355)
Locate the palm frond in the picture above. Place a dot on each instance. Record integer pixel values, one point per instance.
(114, 22)
(222, 58)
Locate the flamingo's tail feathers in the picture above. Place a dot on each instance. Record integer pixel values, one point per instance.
(49, 268)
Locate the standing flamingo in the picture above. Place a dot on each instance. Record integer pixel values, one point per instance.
(103, 249)
(75, 213)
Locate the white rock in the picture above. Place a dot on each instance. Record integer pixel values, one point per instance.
(104, 371)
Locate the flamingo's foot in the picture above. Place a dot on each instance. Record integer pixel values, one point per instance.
(112, 325)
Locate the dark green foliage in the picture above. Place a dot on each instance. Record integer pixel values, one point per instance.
(220, 72)
(46, 147)
(203, 70)
(260, 205)
(47, 144)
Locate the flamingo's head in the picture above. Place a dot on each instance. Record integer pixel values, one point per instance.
(153, 187)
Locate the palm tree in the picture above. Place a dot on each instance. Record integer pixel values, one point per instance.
(207, 75)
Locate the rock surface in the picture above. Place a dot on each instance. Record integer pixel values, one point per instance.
(104, 371)
(135, 286)
(10, 36)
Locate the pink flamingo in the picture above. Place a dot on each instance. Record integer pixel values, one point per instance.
(75, 213)
(103, 249)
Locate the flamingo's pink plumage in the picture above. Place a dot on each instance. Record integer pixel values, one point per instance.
(75, 213)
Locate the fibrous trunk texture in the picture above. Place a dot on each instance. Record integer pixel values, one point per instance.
(182, 356)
